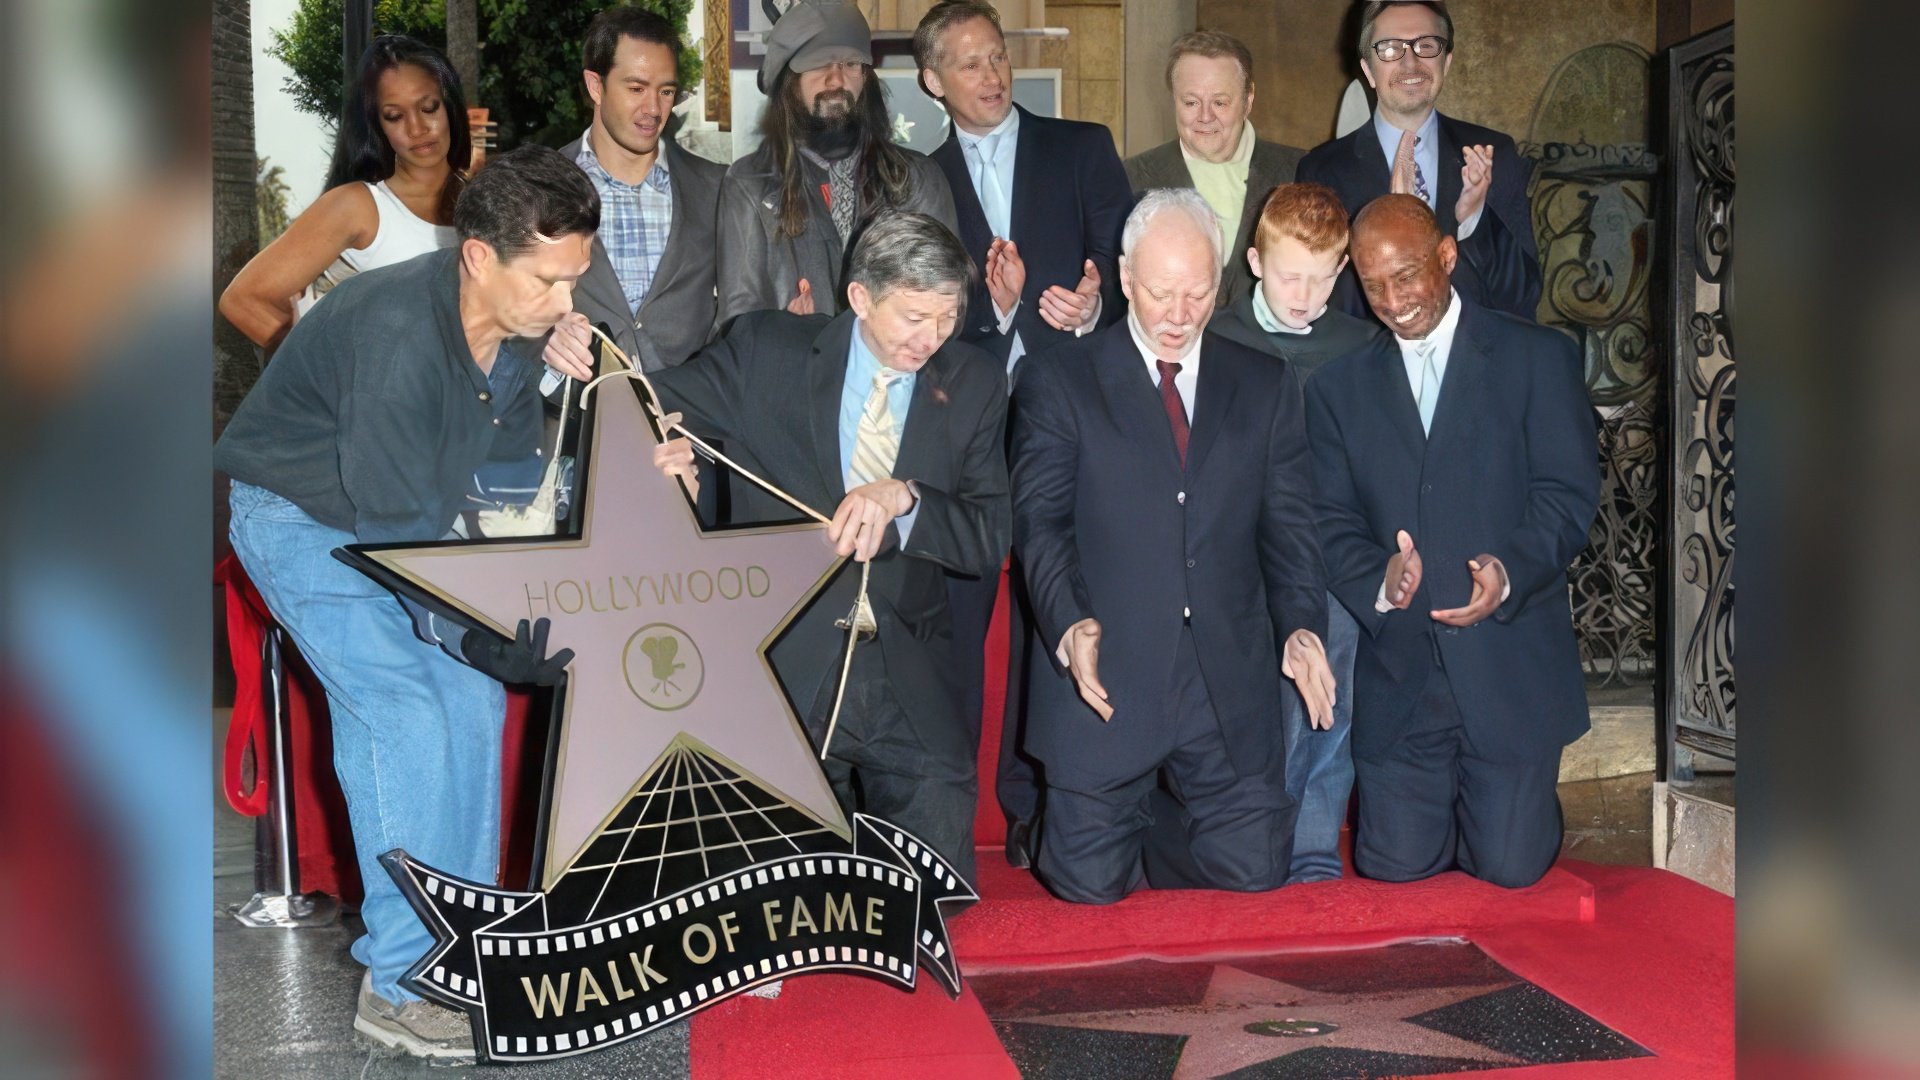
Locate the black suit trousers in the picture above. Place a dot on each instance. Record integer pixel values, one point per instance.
(913, 774)
(1209, 828)
(1435, 801)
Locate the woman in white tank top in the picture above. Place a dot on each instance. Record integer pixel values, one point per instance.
(390, 192)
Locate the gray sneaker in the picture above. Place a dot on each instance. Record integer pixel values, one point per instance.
(420, 1028)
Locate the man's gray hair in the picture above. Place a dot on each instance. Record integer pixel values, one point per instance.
(1175, 200)
(900, 249)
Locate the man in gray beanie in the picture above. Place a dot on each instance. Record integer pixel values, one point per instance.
(826, 162)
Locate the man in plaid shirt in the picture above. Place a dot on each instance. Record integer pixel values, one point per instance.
(652, 279)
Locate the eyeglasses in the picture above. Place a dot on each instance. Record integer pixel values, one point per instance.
(1426, 48)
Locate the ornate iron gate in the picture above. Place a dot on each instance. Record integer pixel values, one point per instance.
(1696, 642)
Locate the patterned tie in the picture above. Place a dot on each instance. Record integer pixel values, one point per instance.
(986, 181)
(1407, 174)
(875, 446)
(1176, 408)
(1429, 384)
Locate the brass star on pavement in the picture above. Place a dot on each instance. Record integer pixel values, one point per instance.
(669, 625)
(1237, 1023)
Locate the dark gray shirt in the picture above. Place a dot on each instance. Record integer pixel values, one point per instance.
(1334, 334)
(373, 417)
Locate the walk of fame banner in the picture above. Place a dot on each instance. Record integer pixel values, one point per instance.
(690, 845)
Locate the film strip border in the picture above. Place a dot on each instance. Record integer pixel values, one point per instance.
(492, 937)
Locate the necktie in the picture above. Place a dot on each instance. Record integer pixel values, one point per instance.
(986, 182)
(1429, 384)
(1407, 174)
(875, 446)
(1176, 408)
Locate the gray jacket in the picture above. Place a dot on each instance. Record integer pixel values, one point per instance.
(760, 270)
(1273, 164)
(676, 318)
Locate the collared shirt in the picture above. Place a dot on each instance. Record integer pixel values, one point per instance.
(1271, 323)
(1187, 381)
(636, 220)
(1005, 147)
(1224, 186)
(1426, 154)
(1442, 339)
(862, 366)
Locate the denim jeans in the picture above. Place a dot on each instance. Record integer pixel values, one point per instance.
(416, 733)
(1320, 763)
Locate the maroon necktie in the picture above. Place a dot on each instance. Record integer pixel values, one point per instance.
(1176, 410)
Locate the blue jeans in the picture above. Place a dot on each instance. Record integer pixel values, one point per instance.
(416, 733)
(1320, 763)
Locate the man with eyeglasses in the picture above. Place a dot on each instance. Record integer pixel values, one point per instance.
(1469, 176)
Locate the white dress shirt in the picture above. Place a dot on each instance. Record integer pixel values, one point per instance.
(1186, 381)
(1442, 339)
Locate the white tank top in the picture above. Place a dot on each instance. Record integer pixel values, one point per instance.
(401, 235)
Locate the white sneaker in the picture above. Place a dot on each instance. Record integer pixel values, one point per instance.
(419, 1028)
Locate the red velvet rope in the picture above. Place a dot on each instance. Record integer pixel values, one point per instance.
(247, 623)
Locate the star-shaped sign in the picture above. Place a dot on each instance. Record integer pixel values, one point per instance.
(669, 624)
(1245, 1019)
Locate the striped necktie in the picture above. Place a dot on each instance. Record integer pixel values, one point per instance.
(876, 445)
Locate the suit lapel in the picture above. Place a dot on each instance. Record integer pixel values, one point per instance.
(1025, 151)
(1389, 372)
(1134, 401)
(926, 428)
(827, 379)
(975, 233)
(1452, 159)
(675, 254)
(1213, 401)
(1466, 366)
(602, 287)
(1375, 172)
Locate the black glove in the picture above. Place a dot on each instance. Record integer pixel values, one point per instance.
(520, 661)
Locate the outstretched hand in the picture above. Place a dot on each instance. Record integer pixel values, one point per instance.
(1304, 660)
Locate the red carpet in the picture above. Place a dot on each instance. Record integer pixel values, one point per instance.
(1642, 951)
(1645, 952)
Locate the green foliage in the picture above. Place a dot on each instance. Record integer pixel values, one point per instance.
(529, 58)
(270, 200)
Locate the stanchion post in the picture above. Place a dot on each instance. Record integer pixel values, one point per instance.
(279, 901)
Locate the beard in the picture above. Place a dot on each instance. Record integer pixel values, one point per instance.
(835, 124)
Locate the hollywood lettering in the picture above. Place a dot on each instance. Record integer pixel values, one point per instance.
(619, 592)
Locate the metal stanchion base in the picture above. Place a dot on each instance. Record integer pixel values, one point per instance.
(277, 910)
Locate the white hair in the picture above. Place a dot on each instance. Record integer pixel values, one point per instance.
(1183, 200)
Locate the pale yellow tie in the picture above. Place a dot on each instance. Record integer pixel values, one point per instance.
(875, 446)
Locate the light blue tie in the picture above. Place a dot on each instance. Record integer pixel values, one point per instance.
(1429, 384)
(986, 183)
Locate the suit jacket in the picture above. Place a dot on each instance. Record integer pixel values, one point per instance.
(771, 390)
(1499, 264)
(1070, 200)
(1110, 526)
(760, 270)
(1273, 164)
(676, 318)
(1335, 334)
(1511, 469)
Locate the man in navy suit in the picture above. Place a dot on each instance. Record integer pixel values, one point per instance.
(1457, 476)
(1163, 510)
(1040, 203)
(1469, 176)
